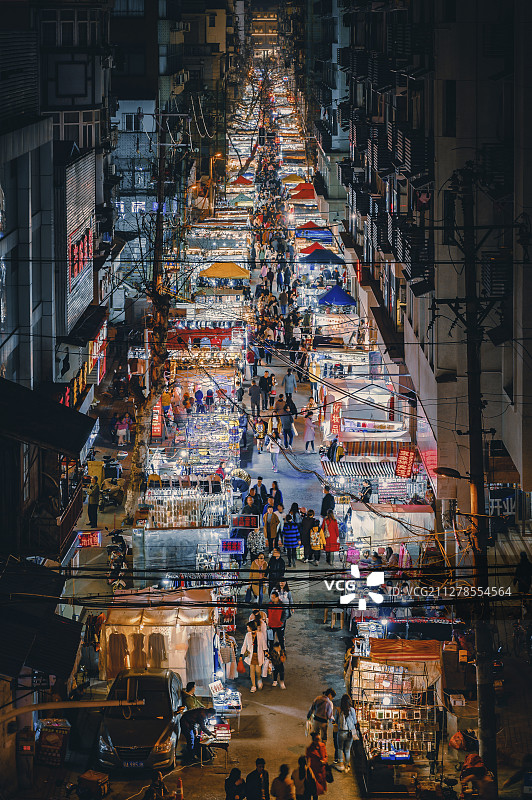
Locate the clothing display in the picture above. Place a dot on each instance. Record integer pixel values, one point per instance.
(137, 656)
(117, 654)
(156, 650)
(229, 658)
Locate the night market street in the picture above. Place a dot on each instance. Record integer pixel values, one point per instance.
(265, 430)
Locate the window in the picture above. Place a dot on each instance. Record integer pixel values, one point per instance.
(138, 205)
(449, 108)
(128, 8)
(131, 122)
(132, 61)
(212, 20)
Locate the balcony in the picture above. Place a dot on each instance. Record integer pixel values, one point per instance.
(379, 74)
(323, 136)
(415, 249)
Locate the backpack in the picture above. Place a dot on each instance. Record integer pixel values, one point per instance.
(315, 538)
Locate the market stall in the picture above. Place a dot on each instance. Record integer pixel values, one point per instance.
(396, 691)
(178, 637)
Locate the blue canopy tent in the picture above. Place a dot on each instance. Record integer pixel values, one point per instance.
(336, 296)
(322, 257)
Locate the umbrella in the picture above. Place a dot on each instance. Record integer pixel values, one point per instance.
(322, 257)
(336, 296)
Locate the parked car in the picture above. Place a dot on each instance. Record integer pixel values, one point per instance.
(145, 735)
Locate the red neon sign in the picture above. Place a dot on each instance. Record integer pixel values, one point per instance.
(79, 253)
(335, 418)
(405, 463)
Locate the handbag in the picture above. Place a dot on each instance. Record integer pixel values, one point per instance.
(240, 668)
(329, 777)
(247, 598)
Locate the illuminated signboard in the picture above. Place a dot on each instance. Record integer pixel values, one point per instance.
(90, 539)
(335, 418)
(232, 546)
(157, 421)
(405, 463)
(244, 521)
(79, 253)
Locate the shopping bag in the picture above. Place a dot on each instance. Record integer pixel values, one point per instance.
(300, 553)
(329, 777)
(247, 598)
(308, 727)
(240, 667)
(294, 430)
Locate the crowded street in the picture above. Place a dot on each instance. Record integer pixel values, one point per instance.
(272, 535)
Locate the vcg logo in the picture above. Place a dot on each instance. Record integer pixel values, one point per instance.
(350, 589)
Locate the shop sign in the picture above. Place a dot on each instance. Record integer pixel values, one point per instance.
(405, 463)
(90, 539)
(232, 546)
(502, 502)
(244, 521)
(79, 383)
(157, 421)
(97, 351)
(79, 253)
(336, 411)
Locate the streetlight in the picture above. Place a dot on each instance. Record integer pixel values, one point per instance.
(212, 159)
(449, 472)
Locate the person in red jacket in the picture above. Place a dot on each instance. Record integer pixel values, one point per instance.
(332, 535)
(277, 617)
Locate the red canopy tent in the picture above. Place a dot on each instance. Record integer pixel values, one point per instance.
(309, 226)
(306, 193)
(241, 181)
(311, 248)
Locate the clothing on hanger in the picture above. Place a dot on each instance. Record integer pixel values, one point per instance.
(156, 650)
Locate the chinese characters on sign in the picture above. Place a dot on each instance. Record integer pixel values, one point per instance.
(157, 421)
(335, 418)
(405, 463)
(79, 253)
(233, 546)
(245, 521)
(90, 539)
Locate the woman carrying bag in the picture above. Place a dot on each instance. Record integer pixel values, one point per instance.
(304, 781)
(346, 720)
(332, 536)
(256, 577)
(318, 762)
(253, 652)
(274, 449)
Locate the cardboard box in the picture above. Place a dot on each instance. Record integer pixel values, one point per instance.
(457, 699)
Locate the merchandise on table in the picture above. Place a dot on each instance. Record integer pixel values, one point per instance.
(186, 508)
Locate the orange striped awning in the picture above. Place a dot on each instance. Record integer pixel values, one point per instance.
(378, 449)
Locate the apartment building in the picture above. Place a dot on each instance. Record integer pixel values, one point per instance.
(433, 85)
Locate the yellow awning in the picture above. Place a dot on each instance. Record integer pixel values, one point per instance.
(225, 269)
(292, 178)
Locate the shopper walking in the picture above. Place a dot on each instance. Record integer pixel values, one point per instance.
(254, 396)
(317, 542)
(328, 502)
(265, 385)
(260, 434)
(258, 782)
(290, 384)
(257, 571)
(307, 523)
(332, 536)
(309, 433)
(287, 423)
(253, 651)
(283, 787)
(277, 494)
(276, 618)
(274, 449)
(321, 712)
(93, 496)
(275, 569)
(317, 760)
(261, 491)
(304, 781)
(235, 786)
(277, 656)
(345, 719)
(271, 528)
(291, 539)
